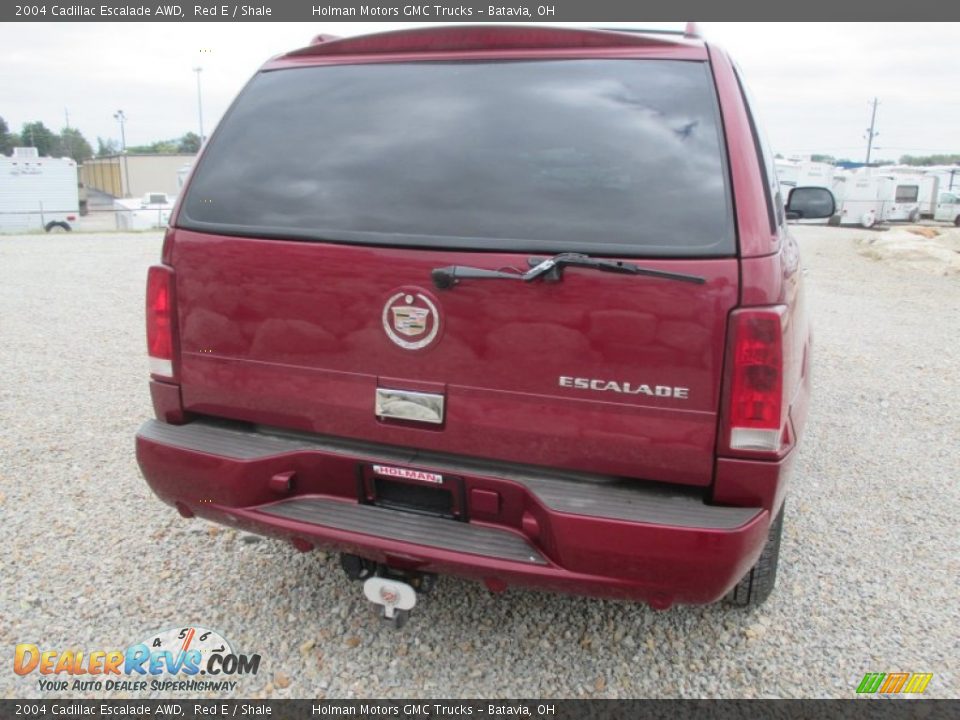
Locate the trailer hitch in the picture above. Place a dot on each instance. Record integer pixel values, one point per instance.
(392, 589)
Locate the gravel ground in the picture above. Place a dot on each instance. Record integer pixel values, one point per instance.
(870, 558)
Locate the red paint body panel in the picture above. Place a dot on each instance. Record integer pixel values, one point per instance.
(753, 483)
(289, 334)
(488, 39)
(167, 405)
(586, 555)
(666, 52)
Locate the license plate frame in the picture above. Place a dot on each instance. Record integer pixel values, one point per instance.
(423, 484)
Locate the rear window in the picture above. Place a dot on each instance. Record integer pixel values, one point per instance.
(617, 157)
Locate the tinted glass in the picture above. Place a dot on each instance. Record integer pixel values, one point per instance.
(812, 202)
(600, 156)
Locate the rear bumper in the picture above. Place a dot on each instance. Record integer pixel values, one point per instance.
(567, 532)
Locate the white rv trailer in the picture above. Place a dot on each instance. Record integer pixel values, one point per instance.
(804, 173)
(906, 198)
(864, 198)
(934, 179)
(150, 211)
(937, 180)
(929, 192)
(37, 193)
(948, 207)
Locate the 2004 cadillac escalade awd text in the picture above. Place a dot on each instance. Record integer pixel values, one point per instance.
(518, 304)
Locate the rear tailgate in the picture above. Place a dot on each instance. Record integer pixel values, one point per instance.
(607, 373)
(306, 240)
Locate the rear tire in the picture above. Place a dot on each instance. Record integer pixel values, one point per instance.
(756, 585)
(57, 227)
(956, 221)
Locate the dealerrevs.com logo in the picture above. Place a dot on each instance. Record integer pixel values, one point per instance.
(191, 659)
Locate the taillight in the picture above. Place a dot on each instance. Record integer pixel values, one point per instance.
(160, 320)
(756, 388)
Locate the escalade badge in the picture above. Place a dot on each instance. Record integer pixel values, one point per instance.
(410, 319)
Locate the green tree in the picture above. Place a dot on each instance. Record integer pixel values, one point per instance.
(927, 160)
(189, 143)
(8, 140)
(74, 145)
(38, 135)
(823, 158)
(107, 147)
(160, 147)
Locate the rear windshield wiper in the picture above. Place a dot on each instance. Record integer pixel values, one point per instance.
(549, 269)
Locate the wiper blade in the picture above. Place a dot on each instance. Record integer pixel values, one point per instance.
(549, 269)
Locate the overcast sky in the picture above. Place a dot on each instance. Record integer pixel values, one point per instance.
(813, 82)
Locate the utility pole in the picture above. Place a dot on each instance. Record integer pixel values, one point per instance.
(121, 118)
(69, 148)
(871, 131)
(199, 70)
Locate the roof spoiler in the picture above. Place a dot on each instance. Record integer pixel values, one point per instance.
(478, 37)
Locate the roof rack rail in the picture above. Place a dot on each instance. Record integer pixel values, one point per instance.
(642, 31)
(691, 31)
(479, 37)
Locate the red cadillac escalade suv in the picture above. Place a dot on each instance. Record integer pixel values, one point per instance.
(513, 303)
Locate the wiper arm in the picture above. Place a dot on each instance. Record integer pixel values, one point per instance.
(447, 277)
(549, 269)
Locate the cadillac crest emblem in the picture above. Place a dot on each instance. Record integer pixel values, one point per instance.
(410, 319)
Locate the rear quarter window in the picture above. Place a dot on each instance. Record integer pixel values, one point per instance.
(618, 157)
